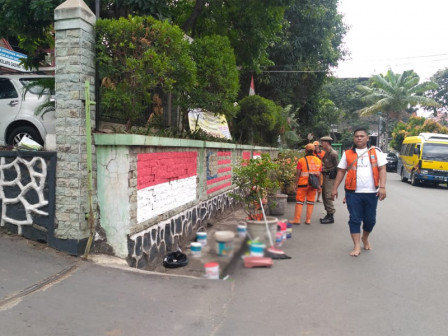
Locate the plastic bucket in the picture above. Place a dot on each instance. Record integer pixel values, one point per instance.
(257, 249)
(283, 227)
(288, 230)
(212, 270)
(201, 237)
(224, 242)
(242, 230)
(278, 239)
(196, 249)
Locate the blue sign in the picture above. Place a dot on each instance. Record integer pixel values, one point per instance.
(12, 55)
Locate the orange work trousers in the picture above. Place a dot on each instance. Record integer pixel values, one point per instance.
(304, 195)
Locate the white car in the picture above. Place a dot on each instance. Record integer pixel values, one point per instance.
(18, 110)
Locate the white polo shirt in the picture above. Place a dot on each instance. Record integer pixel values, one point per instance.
(364, 174)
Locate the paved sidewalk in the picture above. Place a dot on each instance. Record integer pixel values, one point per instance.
(228, 221)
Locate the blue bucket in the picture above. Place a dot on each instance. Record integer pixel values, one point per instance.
(257, 249)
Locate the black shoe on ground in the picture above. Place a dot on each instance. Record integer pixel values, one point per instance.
(328, 219)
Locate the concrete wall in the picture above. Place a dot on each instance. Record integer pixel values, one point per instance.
(155, 193)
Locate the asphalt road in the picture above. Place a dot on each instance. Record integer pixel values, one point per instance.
(398, 288)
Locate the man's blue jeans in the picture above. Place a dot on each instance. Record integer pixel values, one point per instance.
(362, 208)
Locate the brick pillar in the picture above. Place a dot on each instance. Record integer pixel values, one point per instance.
(74, 52)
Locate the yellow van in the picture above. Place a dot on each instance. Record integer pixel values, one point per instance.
(424, 158)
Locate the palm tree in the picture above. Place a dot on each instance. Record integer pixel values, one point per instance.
(393, 94)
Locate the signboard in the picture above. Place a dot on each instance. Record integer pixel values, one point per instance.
(11, 59)
(215, 125)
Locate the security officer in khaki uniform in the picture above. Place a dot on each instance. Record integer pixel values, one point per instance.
(329, 170)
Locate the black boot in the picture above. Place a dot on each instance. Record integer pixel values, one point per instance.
(328, 219)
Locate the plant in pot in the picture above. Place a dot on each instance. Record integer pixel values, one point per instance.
(286, 174)
(254, 180)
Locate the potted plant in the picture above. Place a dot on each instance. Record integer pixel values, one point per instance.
(286, 174)
(255, 179)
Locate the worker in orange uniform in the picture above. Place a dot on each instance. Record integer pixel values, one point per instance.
(320, 154)
(309, 164)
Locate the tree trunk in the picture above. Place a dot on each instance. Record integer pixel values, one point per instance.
(189, 25)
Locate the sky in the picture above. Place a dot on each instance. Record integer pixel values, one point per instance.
(394, 34)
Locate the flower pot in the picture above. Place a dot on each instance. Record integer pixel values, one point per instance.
(277, 204)
(257, 229)
(290, 190)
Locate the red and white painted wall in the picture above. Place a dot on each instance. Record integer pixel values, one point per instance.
(154, 198)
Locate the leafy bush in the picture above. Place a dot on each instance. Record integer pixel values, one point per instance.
(255, 179)
(217, 86)
(257, 121)
(135, 55)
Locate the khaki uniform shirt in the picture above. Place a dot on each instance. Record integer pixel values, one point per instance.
(330, 160)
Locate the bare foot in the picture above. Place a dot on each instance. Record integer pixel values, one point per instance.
(355, 253)
(366, 244)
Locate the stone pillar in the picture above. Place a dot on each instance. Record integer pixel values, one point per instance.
(74, 52)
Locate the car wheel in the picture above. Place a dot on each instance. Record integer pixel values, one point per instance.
(403, 179)
(414, 181)
(17, 134)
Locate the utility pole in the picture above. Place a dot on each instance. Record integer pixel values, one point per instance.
(379, 129)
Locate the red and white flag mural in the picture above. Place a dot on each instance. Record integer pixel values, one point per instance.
(219, 171)
(165, 180)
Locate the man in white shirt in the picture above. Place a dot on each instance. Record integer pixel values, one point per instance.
(364, 185)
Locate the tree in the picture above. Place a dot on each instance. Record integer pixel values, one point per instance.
(257, 121)
(392, 94)
(342, 91)
(311, 43)
(217, 84)
(30, 23)
(414, 126)
(327, 115)
(289, 128)
(250, 25)
(439, 94)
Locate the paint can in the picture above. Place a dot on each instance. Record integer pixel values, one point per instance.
(282, 228)
(224, 242)
(201, 237)
(279, 239)
(212, 270)
(288, 230)
(256, 249)
(242, 230)
(196, 249)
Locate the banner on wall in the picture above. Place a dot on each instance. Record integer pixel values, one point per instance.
(215, 125)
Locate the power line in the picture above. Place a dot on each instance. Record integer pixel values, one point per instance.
(294, 71)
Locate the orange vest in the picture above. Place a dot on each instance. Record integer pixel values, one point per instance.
(352, 166)
(315, 165)
(320, 155)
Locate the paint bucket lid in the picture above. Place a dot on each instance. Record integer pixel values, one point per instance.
(201, 234)
(224, 236)
(211, 265)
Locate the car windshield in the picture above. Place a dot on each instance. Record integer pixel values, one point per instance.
(391, 156)
(435, 152)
